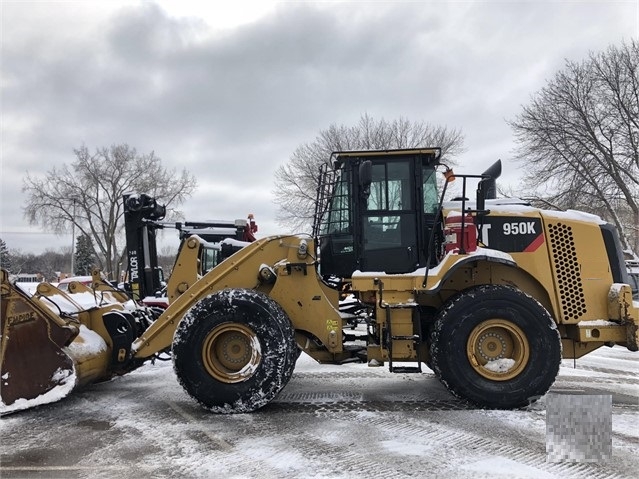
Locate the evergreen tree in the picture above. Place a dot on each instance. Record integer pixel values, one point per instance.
(84, 257)
(5, 257)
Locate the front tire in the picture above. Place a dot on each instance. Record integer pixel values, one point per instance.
(496, 347)
(234, 351)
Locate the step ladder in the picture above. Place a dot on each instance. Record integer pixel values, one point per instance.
(416, 338)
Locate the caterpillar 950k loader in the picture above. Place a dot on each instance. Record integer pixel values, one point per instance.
(490, 296)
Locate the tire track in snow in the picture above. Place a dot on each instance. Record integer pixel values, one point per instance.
(321, 442)
(220, 443)
(321, 405)
(357, 374)
(446, 439)
(346, 462)
(597, 369)
(232, 460)
(305, 443)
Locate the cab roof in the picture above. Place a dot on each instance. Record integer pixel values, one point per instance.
(341, 157)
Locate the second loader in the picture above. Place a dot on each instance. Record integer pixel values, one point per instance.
(490, 295)
(142, 220)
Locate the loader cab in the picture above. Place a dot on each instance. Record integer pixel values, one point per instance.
(375, 211)
(212, 254)
(220, 239)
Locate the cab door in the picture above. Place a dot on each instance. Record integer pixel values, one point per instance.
(389, 219)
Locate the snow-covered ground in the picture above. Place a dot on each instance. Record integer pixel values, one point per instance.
(346, 421)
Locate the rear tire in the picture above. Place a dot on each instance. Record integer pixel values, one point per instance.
(496, 347)
(234, 351)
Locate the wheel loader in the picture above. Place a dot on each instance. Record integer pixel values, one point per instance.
(489, 294)
(142, 220)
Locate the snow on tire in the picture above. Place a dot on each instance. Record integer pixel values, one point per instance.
(496, 347)
(234, 351)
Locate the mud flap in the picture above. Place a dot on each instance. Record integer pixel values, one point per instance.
(33, 362)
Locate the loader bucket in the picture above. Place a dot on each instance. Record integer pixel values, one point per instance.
(34, 368)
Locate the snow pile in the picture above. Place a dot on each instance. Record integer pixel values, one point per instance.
(72, 304)
(596, 323)
(88, 343)
(502, 365)
(489, 254)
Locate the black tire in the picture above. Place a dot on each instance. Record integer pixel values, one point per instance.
(427, 321)
(234, 351)
(489, 328)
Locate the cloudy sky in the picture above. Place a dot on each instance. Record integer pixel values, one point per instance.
(229, 91)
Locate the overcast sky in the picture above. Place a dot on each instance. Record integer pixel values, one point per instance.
(229, 91)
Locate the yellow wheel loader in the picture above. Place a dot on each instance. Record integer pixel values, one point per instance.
(142, 219)
(490, 294)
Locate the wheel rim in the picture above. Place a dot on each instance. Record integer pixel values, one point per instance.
(231, 353)
(498, 349)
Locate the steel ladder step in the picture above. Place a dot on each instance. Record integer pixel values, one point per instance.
(411, 337)
(406, 369)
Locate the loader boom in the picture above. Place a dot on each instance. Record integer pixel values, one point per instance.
(299, 293)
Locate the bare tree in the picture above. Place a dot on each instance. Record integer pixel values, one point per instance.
(578, 139)
(51, 262)
(296, 182)
(88, 194)
(48, 264)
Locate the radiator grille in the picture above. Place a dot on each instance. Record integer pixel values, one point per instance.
(571, 292)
